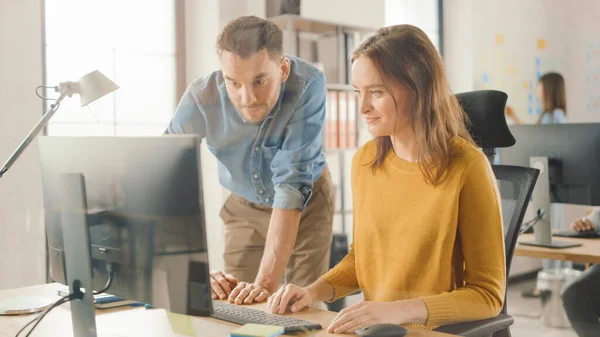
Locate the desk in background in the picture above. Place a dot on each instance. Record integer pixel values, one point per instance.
(588, 252)
(136, 321)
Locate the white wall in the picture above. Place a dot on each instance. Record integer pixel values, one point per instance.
(201, 28)
(22, 245)
(458, 44)
(420, 13)
(583, 91)
(494, 45)
(348, 12)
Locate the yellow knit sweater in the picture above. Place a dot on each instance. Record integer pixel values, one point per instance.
(443, 244)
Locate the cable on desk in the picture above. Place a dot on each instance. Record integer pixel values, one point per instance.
(78, 294)
(108, 282)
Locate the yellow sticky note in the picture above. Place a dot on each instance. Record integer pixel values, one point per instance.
(180, 324)
(257, 330)
(541, 44)
(512, 71)
(499, 39)
(526, 85)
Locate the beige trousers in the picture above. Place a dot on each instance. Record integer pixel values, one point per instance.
(246, 226)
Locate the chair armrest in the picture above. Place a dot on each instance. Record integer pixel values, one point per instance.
(482, 328)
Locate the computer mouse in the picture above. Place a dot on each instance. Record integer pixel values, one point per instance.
(382, 330)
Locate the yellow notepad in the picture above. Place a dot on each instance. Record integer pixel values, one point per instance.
(257, 330)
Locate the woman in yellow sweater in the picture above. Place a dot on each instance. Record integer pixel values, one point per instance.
(428, 246)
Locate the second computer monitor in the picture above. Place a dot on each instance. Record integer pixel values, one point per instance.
(573, 151)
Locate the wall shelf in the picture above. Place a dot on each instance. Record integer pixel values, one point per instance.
(301, 24)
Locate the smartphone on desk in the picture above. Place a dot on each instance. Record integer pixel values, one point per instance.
(104, 301)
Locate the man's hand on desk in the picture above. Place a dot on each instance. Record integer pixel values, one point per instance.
(248, 293)
(226, 286)
(221, 284)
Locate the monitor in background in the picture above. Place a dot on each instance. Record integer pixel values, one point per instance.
(145, 220)
(568, 156)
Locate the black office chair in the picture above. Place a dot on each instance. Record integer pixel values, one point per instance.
(490, 131)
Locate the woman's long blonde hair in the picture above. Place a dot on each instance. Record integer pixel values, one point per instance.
(404, 55)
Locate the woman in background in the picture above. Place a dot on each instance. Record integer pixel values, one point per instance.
(551, 92)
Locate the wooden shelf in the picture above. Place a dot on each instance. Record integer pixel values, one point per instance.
(301, 24)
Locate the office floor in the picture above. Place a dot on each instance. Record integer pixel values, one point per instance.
(525, 311)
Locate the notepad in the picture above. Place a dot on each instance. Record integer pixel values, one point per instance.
(181, 324)
(257, 330)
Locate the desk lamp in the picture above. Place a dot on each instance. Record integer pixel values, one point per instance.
(90, 87)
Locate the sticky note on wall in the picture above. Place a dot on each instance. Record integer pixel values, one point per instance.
(541, 44)
(499, 39)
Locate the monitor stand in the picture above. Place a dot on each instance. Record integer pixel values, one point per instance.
(540, 201)
(77, 254)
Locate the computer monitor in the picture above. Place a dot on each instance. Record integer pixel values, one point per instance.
(568, 156)
(142, 199)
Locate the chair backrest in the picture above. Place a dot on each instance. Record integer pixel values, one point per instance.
(485, 109)
(516, 184)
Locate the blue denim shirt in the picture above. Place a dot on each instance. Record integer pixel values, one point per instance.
(273, 163)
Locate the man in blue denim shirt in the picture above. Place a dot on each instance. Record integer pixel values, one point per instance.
(262, 116)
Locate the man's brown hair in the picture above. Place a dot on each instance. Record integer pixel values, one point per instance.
(247, 35)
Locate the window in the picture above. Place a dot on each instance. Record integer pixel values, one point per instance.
(133, 43)
(421, 13)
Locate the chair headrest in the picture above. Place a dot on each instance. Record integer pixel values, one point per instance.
(485, 109)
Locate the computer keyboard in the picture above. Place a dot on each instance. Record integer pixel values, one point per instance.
(243, 315)
(593, 234)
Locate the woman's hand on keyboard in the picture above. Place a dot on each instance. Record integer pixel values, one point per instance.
(221, 284)
(289, 298)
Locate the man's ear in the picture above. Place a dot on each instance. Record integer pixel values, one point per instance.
(285, 68)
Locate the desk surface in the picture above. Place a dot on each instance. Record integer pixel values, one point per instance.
(588, 252)
(135, 321)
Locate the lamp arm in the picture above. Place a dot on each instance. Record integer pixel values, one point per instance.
(36, 129)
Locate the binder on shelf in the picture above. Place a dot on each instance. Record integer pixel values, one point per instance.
(352, 121)
(331, 124)
(341, 121)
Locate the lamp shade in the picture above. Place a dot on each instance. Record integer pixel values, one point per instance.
(93, 86)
